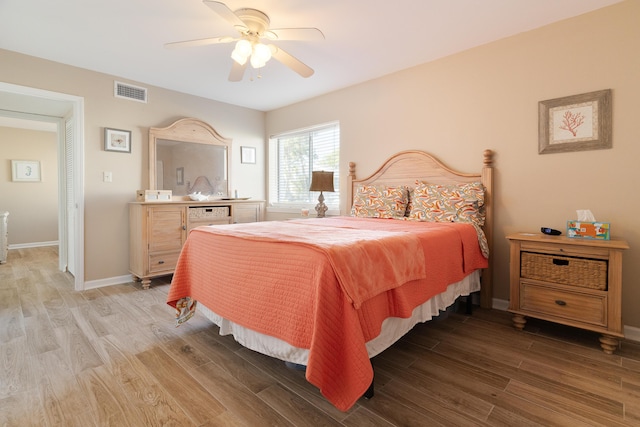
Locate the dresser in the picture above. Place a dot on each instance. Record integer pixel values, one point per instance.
(574, 282)
(157, 230)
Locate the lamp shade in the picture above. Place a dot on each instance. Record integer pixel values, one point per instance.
(321, 181)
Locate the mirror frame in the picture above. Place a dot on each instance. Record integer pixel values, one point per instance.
(186, 130)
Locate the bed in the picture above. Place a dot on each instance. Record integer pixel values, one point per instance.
(330, 293)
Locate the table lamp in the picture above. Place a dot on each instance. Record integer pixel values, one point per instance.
(321, 181)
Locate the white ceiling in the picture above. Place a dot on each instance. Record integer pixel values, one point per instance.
(365, 39)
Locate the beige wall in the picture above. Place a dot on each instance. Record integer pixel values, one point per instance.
(32, 206)
(488, 97)
(455, 108)
(106, 212)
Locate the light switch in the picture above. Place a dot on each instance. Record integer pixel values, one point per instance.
(107, 176)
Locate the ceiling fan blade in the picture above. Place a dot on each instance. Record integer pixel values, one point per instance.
(200, 42)
(237, 71)
(303, 34)
(291, 62)
(226, 13)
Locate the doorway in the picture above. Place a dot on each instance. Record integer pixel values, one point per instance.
(68, 112)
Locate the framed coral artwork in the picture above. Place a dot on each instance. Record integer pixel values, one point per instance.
(575, 123)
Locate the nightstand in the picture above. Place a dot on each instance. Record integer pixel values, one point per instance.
(575, 282)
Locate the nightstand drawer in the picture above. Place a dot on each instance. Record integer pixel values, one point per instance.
(565, 250)
(550, 301)
(580, 272)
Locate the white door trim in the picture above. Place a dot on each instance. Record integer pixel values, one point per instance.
(76, 104)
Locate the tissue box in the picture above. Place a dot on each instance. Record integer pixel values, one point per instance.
(588, 230)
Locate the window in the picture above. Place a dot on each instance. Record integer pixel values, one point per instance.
(292, 158)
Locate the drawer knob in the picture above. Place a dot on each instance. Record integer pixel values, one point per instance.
(160, 262)
(560, 302)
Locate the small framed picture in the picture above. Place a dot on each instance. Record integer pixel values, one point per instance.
(25, 170)
(247, 154)
(117, 140)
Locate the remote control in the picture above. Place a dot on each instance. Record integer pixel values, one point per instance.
(551, 231)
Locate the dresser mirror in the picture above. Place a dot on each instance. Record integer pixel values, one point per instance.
(188, 157)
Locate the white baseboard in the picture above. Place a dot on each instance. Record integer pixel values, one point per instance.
(500, 304)
(93, 284)
(631, 333)
(33, 245)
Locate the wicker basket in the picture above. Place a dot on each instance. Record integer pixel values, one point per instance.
(585, 273)
(208, 212)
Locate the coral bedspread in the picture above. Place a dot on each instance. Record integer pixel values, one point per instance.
(324, 284)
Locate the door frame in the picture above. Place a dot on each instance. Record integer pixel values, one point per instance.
(75, 113)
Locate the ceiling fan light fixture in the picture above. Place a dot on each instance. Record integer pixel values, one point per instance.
(242, 51)
(256, 62)
(262, 52)
(238, 57)
(244, 47)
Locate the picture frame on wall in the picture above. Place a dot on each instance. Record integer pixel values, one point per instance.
(25, 171)
(117, 140)
(575, 123)
(247, 154)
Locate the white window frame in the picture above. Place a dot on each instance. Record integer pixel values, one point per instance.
(273, 169)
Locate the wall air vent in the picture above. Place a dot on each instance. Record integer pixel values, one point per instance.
(127, 91)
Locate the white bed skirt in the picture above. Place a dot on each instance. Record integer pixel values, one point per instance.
(393, 328)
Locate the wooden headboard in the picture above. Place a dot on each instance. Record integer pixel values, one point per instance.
(406, 167)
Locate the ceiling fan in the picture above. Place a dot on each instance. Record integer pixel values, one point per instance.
(253, 27)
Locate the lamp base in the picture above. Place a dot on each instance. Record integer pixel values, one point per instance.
(321, 208)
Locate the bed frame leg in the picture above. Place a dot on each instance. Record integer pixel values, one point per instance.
(369, 393)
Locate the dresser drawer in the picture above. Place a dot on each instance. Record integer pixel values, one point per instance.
(575, 306)
(220, 221)
(247, 212)
(162, 262)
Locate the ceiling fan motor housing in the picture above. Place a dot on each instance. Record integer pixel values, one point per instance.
(256, 22)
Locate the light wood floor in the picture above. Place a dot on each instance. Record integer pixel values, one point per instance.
(112, 356)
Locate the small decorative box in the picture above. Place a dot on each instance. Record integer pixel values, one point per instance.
(588, 230)
(153, 195)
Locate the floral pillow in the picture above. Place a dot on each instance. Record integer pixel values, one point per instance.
(379, 201)
(448, 203)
